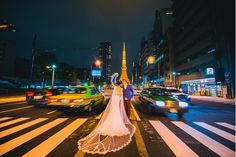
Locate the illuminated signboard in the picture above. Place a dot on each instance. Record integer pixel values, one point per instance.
(209, 71)
(96, 72)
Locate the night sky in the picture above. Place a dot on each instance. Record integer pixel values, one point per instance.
(74, 28)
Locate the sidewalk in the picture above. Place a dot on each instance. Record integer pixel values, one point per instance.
(213, 99)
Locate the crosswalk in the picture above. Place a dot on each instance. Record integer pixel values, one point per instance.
(40, 126)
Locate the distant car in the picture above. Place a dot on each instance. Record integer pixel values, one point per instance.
(77, 97)
(160, 100)
(38, 97)
(178, 94)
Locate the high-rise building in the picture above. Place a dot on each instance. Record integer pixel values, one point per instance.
(204, 46)
(105, 54)
(7, 49)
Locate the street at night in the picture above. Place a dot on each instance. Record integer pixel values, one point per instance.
(33, 131)
(117, 78)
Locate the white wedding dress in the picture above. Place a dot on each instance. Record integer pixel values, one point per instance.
(113, 132)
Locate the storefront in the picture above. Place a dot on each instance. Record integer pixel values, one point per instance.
(202, 87)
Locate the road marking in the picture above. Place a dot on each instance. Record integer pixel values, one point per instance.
(215, 146)
(5, 118)
(21, 127)
(8, 146)
(135, 113)
(47, 146)
(217, 131)
(12, 122)
(229, 126)
(79, 154)
(176, 145)
(21, 108)
(52, 112)
(142, 150)
(15, 103)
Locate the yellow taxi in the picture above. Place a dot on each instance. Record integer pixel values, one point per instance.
(77, 97)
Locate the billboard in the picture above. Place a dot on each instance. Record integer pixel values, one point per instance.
(96, 73)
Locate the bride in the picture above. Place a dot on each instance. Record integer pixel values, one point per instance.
(114, 130)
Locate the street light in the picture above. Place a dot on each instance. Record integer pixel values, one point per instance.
(152, 60)
(52, 67)
(98, 62)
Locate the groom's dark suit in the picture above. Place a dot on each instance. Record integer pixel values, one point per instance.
(128, 94)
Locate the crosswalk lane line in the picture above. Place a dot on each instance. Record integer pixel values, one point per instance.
(217, 131)
(21, 127)
(5, 118)
(16, 109)
(12, 144)
(12, 122)
(229, 126)
(51, 143)
(178, 147)
(215, 146)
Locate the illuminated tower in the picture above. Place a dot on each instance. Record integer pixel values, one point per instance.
(124, 68)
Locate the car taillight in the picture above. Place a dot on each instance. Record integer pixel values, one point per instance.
(30, 94)
(51, 100)
(48, 93)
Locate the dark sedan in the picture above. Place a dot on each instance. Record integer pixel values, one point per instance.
(160, 100)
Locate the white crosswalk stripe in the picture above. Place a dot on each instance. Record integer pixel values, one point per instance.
(5, 118)
(12, 122)
(217, 131)
(176, 145)
(47, 146)
(167, 134)
(21, 127)
(215, 146)
(229, 126)
(8, 146)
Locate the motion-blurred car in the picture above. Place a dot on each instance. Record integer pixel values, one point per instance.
(137, 91)
(178, 94)
(77, 97)
(38, 97)
(160, 100)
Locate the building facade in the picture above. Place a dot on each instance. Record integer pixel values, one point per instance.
(203, 46)
(105, 54)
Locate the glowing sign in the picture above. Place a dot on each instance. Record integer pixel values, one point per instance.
(96, 72)
(209, 71)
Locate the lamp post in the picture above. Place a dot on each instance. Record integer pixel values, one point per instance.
(174, 74)
(52, 67)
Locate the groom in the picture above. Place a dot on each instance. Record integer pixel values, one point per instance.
(128, 94)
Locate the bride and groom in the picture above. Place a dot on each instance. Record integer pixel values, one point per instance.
(114, 130)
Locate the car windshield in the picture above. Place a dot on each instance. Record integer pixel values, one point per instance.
(159, 92)
(174, 91)
(78, 90)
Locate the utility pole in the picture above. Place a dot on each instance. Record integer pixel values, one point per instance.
(32, 61)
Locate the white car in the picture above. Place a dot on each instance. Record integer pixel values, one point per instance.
(179, 95)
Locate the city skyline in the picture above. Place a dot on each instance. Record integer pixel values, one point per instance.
(77, 28)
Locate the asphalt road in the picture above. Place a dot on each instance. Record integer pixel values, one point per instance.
(208, 129)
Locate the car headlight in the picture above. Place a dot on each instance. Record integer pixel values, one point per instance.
(174, 96)
(160, 103)
(183, 104)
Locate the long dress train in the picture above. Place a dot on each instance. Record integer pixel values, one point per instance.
(113, 132)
